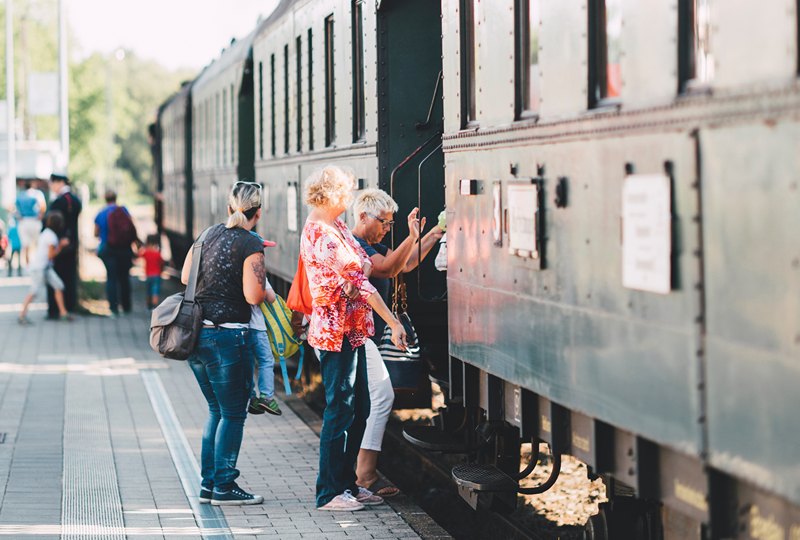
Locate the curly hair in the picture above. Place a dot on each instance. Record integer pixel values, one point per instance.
(329, 186)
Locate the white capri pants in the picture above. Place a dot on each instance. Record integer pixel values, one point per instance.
(381, 397)
(45, 276)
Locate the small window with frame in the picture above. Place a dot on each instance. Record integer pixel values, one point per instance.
(605, 52)
(695, 59)
(528, 80)
(469, 63)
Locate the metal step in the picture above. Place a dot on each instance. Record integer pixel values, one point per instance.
(483, 478)
(433, 438)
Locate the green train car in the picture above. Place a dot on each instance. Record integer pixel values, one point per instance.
(623, 275)
(621, 189)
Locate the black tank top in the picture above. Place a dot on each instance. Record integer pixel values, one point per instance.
(219, 285)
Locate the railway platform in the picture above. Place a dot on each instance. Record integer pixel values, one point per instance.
(100, 438)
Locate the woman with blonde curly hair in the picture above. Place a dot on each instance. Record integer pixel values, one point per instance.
(231, 277)
(341, 322)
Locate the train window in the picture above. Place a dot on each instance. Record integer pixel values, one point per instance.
(469, 66)
(232, 95)
(605, 51)
(527, 57)
(217, 124)
(330, 116)
(261, 110)
(272, 103)
(358, 71)
(224, 125)
(310, 93)
(695, 62)
(299, 65)
(285, 99)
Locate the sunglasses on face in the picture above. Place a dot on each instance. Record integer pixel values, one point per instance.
(384, 222)
(243, 183)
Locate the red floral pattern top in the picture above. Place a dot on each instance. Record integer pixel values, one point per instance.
(333, 257)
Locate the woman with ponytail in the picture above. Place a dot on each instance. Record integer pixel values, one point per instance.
(231, 277)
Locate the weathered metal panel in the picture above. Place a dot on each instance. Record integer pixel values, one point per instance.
(563, 55)
(569, 331)
(650, 60)
(752, 218)
(451, 65)
(753, 42)
(494, 80)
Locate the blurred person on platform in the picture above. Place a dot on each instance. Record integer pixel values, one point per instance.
(41, 266)
(153, 266)
(66, 262)
(30, 207)
(14, 247)
(114, 227)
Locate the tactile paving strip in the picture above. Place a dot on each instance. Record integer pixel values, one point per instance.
(91, 506)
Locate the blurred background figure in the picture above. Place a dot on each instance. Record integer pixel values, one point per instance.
(14, 249)
(116, 231)
(66, 262)
(153, 265)
(30, 206)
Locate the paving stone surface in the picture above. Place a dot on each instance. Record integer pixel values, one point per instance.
(56, 378)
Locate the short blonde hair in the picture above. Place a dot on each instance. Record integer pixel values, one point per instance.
(373, 201)
(330, 186)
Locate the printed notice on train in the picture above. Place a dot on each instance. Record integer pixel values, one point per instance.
(523, 211)
(646, 233)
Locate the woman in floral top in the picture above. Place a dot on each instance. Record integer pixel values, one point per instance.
(341, 321)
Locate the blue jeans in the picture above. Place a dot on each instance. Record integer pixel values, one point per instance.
(224, 370)
(344, 376)
(264, 363)
(118, 262)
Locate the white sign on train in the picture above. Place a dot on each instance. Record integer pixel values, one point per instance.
(523, 211)
(646, 233)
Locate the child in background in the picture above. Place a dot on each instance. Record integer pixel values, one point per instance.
(41, 266)
(15, 247)
(262, 354)
(153, 265)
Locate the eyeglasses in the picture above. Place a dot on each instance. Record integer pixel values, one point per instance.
(384, 222)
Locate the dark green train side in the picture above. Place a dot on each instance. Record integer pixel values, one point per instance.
(622, 201)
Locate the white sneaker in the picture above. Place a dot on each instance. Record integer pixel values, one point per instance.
(367, 498)
(343, 503)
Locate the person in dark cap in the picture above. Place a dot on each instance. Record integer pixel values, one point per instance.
(66, 263)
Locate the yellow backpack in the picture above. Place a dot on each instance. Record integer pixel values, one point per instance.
(281, 336)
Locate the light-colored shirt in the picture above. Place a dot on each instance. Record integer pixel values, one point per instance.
(41, 259)
(257, 321)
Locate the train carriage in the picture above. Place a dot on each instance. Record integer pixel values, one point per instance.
(222, 131)
(173, 132)
(639, 309)
(620, 181)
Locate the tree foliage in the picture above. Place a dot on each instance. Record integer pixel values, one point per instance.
(112, 99)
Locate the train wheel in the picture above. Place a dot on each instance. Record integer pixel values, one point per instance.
(596, 528)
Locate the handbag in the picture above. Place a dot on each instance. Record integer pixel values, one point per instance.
(175, 323)
(405, 367)
(284, 344)
(299, 297)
